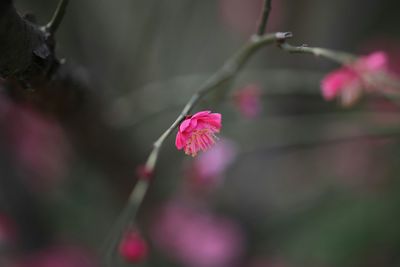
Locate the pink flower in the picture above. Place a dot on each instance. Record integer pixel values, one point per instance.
(197, 132)
(133, 248)
(40, 145)
(208, 168)
(248, 100)
(197, 238)
(390, 46)
(335, 81)
(348, 81)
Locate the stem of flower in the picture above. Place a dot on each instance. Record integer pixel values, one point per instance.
(227, 72)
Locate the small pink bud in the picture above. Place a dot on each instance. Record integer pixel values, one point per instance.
(248, 100)
(133, 248)
(143, 172)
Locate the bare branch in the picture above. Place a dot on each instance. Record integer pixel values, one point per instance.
(337, 56)
(264, 17)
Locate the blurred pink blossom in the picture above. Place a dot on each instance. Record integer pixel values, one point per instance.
(197, 132)
(38, 143)
(348, 81)
(208, 168)
(197, 238)
(248, 100)
(390, 46)
(59, 256)
(133, 248)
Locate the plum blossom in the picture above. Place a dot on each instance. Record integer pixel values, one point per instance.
(348, 82)
(248, 101)
(197, 132)
(197, 238)
(208, 168)
(391, 48)
(133, 248)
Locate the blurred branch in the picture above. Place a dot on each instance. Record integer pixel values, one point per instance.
(337, 56)
(264, 17)
(224, 75)
(58, 16)
(370, 133)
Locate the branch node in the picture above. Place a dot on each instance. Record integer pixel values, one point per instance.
(283, 35)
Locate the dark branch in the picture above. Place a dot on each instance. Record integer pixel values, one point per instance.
(264, 17)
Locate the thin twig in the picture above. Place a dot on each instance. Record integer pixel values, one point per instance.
(279, 149)
(264, 17)
(337, 56)
(224, 75)
(58, 16)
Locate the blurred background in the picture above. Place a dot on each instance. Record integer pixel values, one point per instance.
(293, 181)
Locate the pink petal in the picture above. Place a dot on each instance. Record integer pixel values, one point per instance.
(184, 125)
(375, 61)
(213, 119)
(201, 114)
(179, 141)
(335, 81)
(193, 124)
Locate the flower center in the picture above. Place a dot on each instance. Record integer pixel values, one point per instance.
(200, 139)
